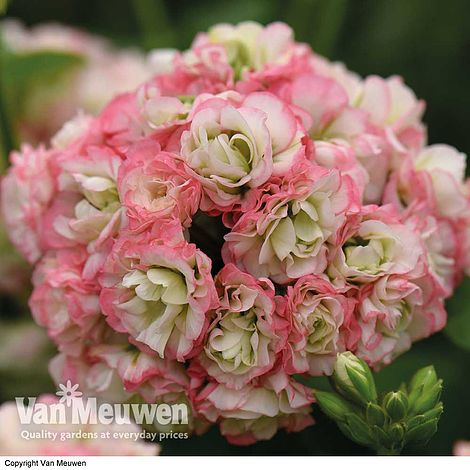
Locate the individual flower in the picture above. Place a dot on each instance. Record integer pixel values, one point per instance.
(119, 371)
(322, 326)
(229, 149)
(393, 106)
(250, 46)
(434, 177)
(148, 378)
(88, 209)
(376, 245)
(323, 106)
(256, 412)
(395, 311)
(12, 441)
(142, 372)
(233, 148)
(159, 293)
(65, 303)
(154, 185)
(94, 376)
(443, 248)
(286, 236)
(160, 110)
(244, 334)
(27, 191)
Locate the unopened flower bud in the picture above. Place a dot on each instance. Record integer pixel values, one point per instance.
(353, 379)
(375, 415)
(425, 377)
(421, 382)
(358, 430)
(396, 405)
(396, 432)
(333, 405)
(423, 432)
(428, 398)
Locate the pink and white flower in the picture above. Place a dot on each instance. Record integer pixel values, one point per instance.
(434, 177)
(395, 311)
(159, 293)
(286, 236)
(65, 303)
(27, 190)
(322, 326)
(233, 147)
(393, 106)
(256, 412)
(376, 245)
(250, 47)
(244, 335)
(154, 185)
(88, 209)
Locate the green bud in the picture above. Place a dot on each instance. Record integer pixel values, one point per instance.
(375, 415)
(396, 405)
(425, 377)
(333, 405)
(415, 421)
(428, 398)
(381, 437)
(421, 382)
(435, 412)
(358, 429)
(396, 432)
(344, 428)
(353, 379)
(409, 415)
(423, 432)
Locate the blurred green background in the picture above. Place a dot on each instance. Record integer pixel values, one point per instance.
(425, 41)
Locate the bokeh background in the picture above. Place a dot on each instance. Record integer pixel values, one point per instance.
(425, 41)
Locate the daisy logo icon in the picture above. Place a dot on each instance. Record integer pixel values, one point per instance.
(68, 393)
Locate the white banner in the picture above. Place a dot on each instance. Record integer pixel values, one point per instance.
(232, 463)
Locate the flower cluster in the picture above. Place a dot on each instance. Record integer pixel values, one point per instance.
(243, 217)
